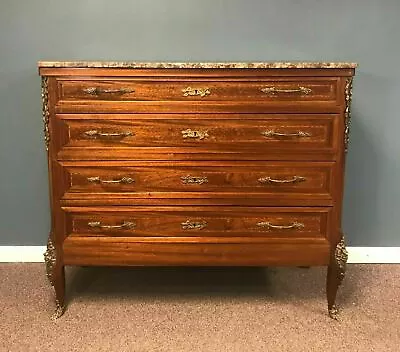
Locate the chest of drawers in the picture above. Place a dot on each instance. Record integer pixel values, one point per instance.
(214, 164)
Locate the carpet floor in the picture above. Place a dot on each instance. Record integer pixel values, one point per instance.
(200, 309)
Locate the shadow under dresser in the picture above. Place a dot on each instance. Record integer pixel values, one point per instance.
(196, 164)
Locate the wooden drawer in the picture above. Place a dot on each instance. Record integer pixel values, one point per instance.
(255, 251)
(262, 134)
(208, 251)
(151, 180)
(191, 89)
(198, 221)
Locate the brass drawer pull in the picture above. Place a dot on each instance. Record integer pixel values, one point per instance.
(268, 179)
(194, 180)
(268, 225)
(188, 133)
(126, 225)
(272, 133)
(189, 91)
(274, 90)
(98, 134)
(123, 180)
(99, 91)
(193, 225)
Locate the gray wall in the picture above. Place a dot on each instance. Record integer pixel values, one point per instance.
(364, 31)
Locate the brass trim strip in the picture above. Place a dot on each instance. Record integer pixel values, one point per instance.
(45, 111)
(347, 112)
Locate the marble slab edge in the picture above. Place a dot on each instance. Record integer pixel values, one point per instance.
(177, 65)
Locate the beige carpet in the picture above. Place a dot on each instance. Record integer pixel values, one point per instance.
(200, 309)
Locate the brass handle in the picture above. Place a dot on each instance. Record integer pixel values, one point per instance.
(193, 225)
(194, 180)
(272, 133)
(125, 225)
(124, 180)
(274, 90)
(99, 91)
(189, 91)
(268, 225)
(268, 179)
(96, 134)
(188, 133)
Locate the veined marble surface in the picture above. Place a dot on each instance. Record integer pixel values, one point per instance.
(133, 64)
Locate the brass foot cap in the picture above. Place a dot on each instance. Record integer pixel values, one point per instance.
(58, 312)
(333, 312)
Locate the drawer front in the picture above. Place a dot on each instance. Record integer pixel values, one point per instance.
(194, 251)
(199, 221)
(263, 133)
(202, 179)
(172, 89)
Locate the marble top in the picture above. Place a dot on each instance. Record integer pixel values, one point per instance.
(134, 64)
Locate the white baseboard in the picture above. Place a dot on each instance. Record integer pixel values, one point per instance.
(378, 255)
(20, 254)
(34, 254)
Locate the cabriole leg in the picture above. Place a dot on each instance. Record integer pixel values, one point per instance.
(336, 272)
(56, 275)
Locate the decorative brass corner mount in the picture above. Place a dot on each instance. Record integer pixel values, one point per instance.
(341, 256)
(45, 110)
(347, 113)
(50, 260)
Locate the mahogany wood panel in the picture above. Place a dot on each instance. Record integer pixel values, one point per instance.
(203, 179)
(170, 89)
(112, 251)
(198, 222)
(307, 132)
